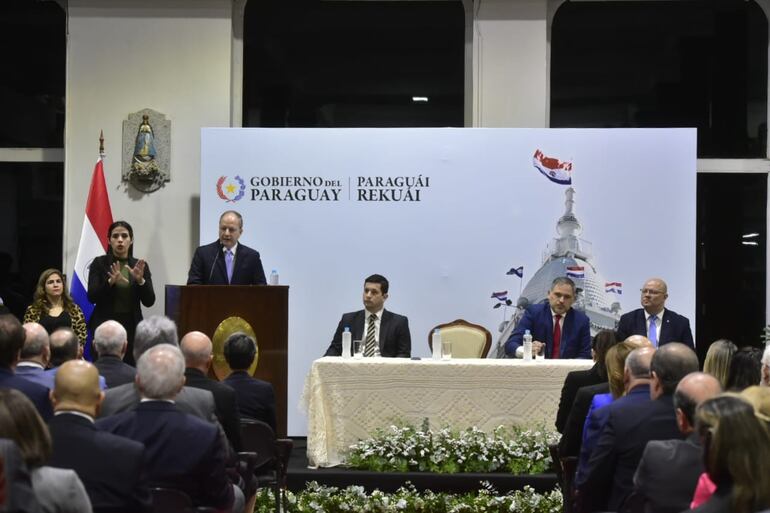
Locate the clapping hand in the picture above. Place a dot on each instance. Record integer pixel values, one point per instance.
(115, 275)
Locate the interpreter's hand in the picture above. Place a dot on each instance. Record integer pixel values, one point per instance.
(115, 275)
(138, 272)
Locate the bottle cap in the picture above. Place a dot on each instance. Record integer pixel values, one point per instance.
(347, 328)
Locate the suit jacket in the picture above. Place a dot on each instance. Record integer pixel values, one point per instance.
(189, 400)
(19, 495)
(572, 438)
(38, 394)
(574, 380)
(675, 327)
(395, 339)
(181, 451)
(224, 401)
(256, 398)
(103, 295)
(59, 490)
(115, 371)
(92, 454)
(34, 374)
(208, 266)
(668, 473)
(633, 421)
(592, 428)
(575, 332)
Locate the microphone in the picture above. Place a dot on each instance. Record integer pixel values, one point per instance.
(211, 272)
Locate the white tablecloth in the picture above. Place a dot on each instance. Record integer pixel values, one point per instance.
(347, 400)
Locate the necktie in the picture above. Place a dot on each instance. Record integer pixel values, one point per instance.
(371, 345)
(556, 336)
(229, 264)
(653, 334)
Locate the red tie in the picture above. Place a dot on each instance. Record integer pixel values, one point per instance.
(556, 336)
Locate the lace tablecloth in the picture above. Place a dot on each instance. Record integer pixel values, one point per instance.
(346, 400)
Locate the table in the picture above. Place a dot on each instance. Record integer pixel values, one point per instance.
(347, 399)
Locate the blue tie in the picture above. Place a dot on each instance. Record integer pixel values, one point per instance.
(653, 335)
(229, 264)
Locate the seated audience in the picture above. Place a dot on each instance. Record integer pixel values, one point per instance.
(669, 469)
(718, 359)
(91, 453)
(745, 369)
(198, 354)
(53, 307)
(65, 347)
(631, 423)
(765, 380)
(15, 481)
(57, 490)
(256, 398)
(12, 337)
(601, 342)
(35, 355)
(737, 455)
(181, 451)
(111, 342)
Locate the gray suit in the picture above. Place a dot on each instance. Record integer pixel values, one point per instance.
(59, 490)
(20, 497)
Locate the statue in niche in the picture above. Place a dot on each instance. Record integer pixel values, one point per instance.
(144, 167)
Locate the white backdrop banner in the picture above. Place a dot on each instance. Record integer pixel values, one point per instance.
(444, 214)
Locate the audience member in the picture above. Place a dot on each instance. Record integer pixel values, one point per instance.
(736, 455)
(35, 355)
(600, 344)
(53, 307)
(181, 450)
(654, 320)
(765, 381)
(745, 369)
(198, 354)
(12, 337)
(669, 469)
(57, 490)
(256, 398)
(91, 453)
(718, 359)
(65, 347)
(111, 343)
(18, 496)
(631, 423)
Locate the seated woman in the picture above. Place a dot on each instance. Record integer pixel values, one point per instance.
(736, 455)
(718, 359)
(745, 369)
(57, 490)
(53, 307)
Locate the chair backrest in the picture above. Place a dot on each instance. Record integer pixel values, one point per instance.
(258, 437)
(468, 340)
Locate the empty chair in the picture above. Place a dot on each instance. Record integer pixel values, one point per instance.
(468, 340)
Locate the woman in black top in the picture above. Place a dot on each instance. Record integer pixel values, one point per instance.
(53, 307)
(118, 283)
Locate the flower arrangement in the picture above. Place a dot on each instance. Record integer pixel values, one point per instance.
(316, 499)
(408, 449)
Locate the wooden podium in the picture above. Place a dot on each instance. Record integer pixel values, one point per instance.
(265, 308)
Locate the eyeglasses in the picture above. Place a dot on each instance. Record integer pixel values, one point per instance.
(651, 292)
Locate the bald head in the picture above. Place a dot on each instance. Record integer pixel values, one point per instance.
(64, 346)
(671, 363)
(110, 339)
(639, 341)
(76, 388)
(36, 346)
(196, 348)
(638, 362)
(692, 390)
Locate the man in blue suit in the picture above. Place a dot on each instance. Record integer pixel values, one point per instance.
(225, 261)
(556, 327)
(653, 320)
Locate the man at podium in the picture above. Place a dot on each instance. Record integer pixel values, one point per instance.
(383, 333)
(225, 261)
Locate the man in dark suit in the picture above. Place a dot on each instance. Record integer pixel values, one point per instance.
(653, 320)
(556, 328)
(225, 261)
(633, 421)
(11, 341)
(65, 346)
(575, 380)
(111, 343)
(256, 398)
(181, 451)
(35, 355)
(91, 453)
(197, 350)
(669, 469)
(383, 333)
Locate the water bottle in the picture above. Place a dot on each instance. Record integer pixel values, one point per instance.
(346, 341)
(436, 342)
(274, 277)
(527, 345)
